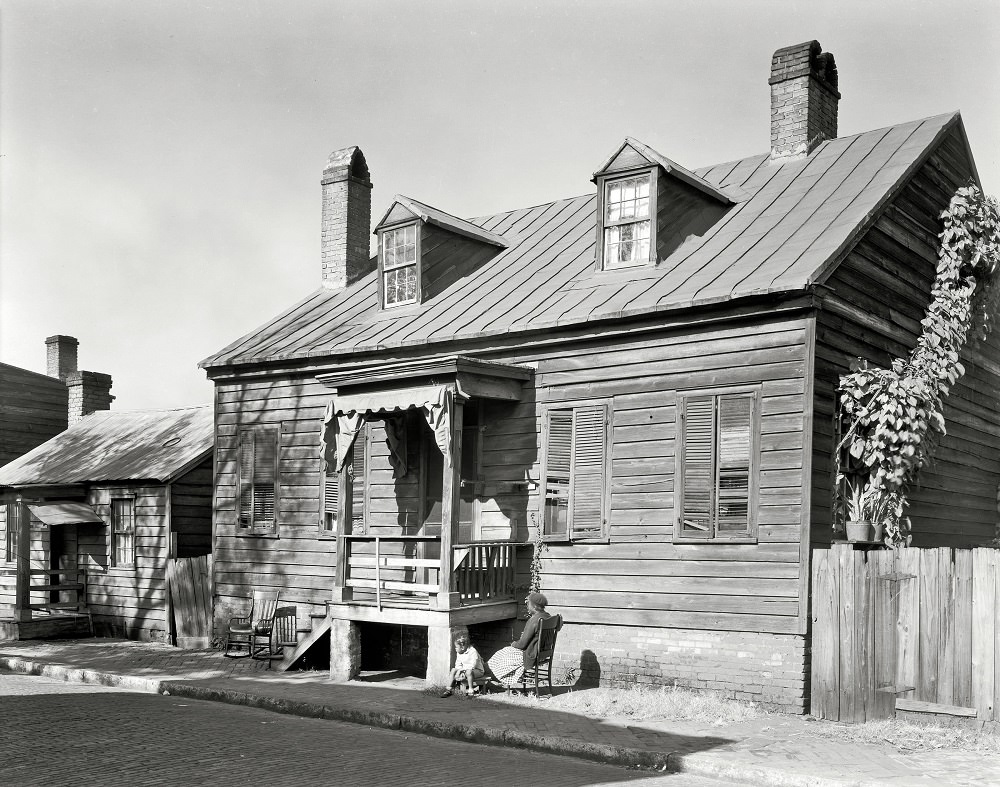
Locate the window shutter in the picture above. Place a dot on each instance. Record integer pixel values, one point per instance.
(264, 478)
(558, 463)
(733, 483)
(359, 469)
(328, 501)
(698, 476)
(245, 480)
(588, 477)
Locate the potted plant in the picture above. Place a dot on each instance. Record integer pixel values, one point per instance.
(868, 509)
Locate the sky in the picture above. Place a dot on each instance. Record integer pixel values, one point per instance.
(160, 161)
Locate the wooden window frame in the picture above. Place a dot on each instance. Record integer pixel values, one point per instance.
(416, 224)
(252, 530)
(115, 532)
(602, 185)
(754, 392)
(570, 536)
(11, 534)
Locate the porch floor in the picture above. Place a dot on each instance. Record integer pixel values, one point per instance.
(46, 627)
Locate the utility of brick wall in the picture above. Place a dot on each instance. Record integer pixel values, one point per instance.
(771, 669)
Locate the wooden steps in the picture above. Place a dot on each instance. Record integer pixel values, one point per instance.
(305, 637)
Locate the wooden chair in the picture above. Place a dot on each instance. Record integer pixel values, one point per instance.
(285, 633)
(249, 632)
(547, 631)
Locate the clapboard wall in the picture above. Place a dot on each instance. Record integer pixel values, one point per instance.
(128, 600)
(877, 298)
(640, 577)
(33, 408)
(191, 511)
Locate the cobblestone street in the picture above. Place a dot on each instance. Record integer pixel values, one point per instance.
(60, 733)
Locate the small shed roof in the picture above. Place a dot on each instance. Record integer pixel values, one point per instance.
(790, 226)
(149, 445)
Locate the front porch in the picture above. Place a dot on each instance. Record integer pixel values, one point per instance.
(439, 569)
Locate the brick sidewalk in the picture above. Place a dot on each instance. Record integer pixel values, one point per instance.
(773, 750)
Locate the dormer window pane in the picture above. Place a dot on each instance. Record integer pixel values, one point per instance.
(399, 265)
(626, 222)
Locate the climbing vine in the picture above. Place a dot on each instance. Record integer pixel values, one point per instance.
(894, 416)
(539, 548)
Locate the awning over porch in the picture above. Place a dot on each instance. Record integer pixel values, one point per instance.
(432, 386)
(65, 513)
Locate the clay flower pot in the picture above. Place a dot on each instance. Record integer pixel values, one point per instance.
(860, 531)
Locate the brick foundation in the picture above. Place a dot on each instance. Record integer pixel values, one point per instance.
(771, 669)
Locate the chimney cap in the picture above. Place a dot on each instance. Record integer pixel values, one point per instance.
(346, 163)
(61, 339)
(805, 59)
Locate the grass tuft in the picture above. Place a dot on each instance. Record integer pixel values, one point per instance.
(640, 703)
(910, 737)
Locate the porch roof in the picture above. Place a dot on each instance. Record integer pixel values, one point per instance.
(65, 513)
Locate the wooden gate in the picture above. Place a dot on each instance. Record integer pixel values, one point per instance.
(919, 624)
(190, 583)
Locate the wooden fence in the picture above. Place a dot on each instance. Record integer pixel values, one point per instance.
(919, 624)
(190, 583)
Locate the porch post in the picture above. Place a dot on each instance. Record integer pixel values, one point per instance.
(451, 487)
(22, 597)
(345, 520)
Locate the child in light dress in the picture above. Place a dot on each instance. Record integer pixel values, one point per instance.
(468, 666)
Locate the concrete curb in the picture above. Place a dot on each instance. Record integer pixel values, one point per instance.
(700, 764)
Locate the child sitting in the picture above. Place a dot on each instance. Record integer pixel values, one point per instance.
(468, 665)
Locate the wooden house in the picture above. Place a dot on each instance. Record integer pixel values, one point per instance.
(90, 520)
(646, 372)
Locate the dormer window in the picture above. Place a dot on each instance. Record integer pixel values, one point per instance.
(399, 266)
(648, 206)
(626, 222)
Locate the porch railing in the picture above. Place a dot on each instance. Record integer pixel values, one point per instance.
(406, 569)
(68, 586)
(484, 572)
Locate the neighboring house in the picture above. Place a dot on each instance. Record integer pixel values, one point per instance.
(100, 509)
(35, 407)
(647, 372)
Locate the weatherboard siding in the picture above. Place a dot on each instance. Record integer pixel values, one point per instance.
(33, 408)
(882, 290)
(295, 561)
(128, 600)
(746, 587)
(191, 511)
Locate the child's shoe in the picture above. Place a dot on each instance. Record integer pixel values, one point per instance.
(446, 693)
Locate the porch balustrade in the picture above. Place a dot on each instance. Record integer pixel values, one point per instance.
(405, 571)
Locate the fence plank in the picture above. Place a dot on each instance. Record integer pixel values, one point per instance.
(983, 630)
(962, 658)
(908, 627)
(826, 636)
(886, 615)
(946, 609)
(848, 634)
(865, 594)
(929, 642)
(994, 623)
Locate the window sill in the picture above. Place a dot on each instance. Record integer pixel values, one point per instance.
(392, 312)
(743, 540)
(566, 541)
(326, 536)
(255, 535)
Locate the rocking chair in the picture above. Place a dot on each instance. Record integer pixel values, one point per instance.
(548, 629)
(253, 633)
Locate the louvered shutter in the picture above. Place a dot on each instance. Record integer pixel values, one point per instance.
(558, 463)
(328, 501)
(358, 475)
(698, 468)
(265, 467)
(245, 480)
(587, 488)
(733, 475)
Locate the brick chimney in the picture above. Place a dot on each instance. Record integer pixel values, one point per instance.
(804, 100)
(88, 391)
(60, 356)
(347, 218)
